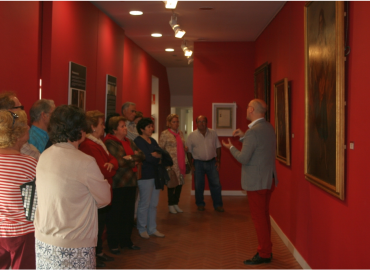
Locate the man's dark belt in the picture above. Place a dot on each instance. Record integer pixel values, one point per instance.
(206, 160)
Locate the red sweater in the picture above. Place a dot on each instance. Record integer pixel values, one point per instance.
(97, 151)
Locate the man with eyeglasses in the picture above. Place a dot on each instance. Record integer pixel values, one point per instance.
(129, 112)
(40, 113)
(10, 102)
(204, 156)
(258, 174)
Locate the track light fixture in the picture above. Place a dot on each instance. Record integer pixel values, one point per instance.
(190, 60)
(186, 50)
(176, 27)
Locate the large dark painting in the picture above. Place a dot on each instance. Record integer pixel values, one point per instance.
(262, 86)
(324, 96)
(281, 93)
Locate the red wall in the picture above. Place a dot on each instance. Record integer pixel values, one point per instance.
(79, 32)
(19, 46)
(328, 232)
(222, 75)
(138, 69)
(42, 37)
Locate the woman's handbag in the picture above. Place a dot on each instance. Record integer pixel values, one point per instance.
(29, 198)
(173, 182)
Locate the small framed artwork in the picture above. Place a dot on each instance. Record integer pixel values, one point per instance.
(325, 96)
(224, 118)
(281, 90)
(262, 86)
(77, 85)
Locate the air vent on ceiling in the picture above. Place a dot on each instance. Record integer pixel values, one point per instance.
(206, 8)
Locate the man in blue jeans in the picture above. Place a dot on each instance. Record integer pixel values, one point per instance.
(204, 154)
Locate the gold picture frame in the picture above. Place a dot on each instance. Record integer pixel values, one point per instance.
(324, 96)
(282, 129)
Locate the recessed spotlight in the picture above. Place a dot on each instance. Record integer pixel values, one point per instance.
(156, 35)
(169, 50)
(136, 12)
(171, 4)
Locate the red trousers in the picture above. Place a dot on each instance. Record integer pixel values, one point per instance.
(18, 252)
(259, 202)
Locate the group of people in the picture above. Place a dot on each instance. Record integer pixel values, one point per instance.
(86, 182)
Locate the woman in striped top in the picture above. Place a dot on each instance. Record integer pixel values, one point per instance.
(17, 240)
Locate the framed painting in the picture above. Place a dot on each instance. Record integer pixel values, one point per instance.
(324, 96)
(281, 92)
(224, 118)
(262, 86)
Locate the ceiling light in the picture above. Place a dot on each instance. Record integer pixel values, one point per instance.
(169, 50)
(190, 59)
(176, 27)
(173, 22)
(170, 4)
(188, 53)
(156, 35)
(179, 33)
(136, 12)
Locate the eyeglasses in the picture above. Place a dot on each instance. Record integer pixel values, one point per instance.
(19, 107)
(15, 116)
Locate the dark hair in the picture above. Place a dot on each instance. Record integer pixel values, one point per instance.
(113, 123)
(107, 121)
(143, 123)
(66, 123)
(205, 117)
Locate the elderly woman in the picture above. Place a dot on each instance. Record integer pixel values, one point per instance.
(172, 140)
(70, 189)
(108, 165)
(17, 240)
(149, 195)
(121, 215)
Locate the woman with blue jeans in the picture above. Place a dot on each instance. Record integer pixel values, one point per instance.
(149, 195)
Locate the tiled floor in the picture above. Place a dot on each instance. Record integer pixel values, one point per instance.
(201, 240)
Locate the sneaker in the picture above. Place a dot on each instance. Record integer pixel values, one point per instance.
(144, 235)
(172, 209)
(158, 234)
(178, 209)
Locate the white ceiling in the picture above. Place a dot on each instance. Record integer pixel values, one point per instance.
(226, 21)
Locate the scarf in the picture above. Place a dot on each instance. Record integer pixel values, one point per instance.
(126, 144)
(98, 141)
(180, 152)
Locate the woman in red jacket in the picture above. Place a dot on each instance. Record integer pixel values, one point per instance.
(108, 165)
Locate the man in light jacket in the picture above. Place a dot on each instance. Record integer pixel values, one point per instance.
(258, 174)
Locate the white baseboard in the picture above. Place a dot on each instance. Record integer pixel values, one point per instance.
(225, 192)
(289, 245)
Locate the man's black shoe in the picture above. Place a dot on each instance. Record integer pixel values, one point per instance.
(104, 258)
(114, 251)
(133, 247)
(100, 264)
(257, 260)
